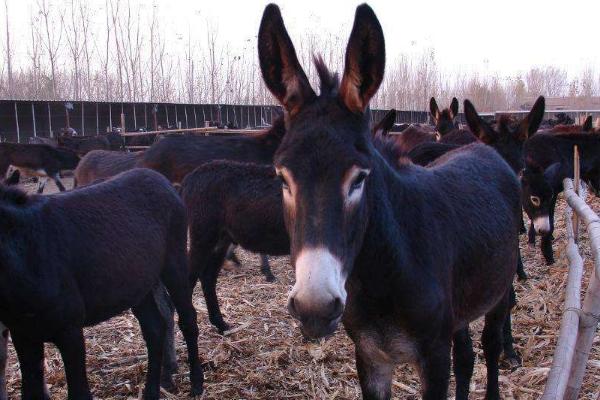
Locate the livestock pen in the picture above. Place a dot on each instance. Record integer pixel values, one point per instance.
(263, 356)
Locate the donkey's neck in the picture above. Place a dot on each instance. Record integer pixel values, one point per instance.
(394, 249)
(28, 270)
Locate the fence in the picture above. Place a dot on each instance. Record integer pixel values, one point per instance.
(22, 119)
(579, 323)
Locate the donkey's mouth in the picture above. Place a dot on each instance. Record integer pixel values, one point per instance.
(317, 328)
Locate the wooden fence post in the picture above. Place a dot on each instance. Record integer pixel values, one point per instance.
(565, 348)
(576, 176)
(50, 121)
(17, 122)
(33, 119)
(587, 330)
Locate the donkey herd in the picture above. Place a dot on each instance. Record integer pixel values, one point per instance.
(403, 237)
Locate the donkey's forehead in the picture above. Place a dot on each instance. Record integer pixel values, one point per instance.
(322, 151)
(325, 133)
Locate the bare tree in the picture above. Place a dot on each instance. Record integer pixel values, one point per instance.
(153, 27)
(9, 54)
(35, 58)
(52, 41)
(114, 6)
(128, 54)
(84, 18)
(74, 42)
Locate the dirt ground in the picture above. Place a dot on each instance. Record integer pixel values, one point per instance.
(264, 356)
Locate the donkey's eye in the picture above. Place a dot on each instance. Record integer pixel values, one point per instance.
(535, 201)
(358, 181)
(284, 183)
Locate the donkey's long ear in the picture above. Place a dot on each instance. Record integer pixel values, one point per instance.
(384, 126)
(588, 124)
(454, 107)
(531, 123)
(279, 64)
(434, 110)
(365, 61)
(479, 127)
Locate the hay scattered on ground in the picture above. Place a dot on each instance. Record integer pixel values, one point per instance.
(267, 359)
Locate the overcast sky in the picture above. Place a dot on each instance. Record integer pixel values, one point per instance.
(502, 37)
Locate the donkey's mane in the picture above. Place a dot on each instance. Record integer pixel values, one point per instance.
(329, 81)
(12, 195)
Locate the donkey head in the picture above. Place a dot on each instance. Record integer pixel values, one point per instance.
(507, 138)
(444, 120)
(323, 162)
(13, 179)
(537, 191)
(588, 124)
(383, 127)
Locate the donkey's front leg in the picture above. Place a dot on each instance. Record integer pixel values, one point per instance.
(265, 268)
(3, 358)
(435, 370)
(71, 345)
(59, 185)
(41, 184)
(30, 353)
(375, 376)
(531, 235)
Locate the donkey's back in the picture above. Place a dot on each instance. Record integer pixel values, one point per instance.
(477, 196)
(103, 164)
(242, 200)
(97, 236)
(176, 156)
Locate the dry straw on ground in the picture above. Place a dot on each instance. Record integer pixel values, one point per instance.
(265, 357)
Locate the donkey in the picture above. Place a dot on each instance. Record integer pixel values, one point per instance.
(444, 120)
(587, 126)
(413, 136)
(42, 140)
(230, 202)
(38, 159)
(12, 180)
(176, 156)
(84, 144)
(103, 164)
(548, 159)
(47, 297)
(506, 137)
(407, 258)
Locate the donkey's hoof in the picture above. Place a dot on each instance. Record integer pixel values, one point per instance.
(222, 327)
(522, 275)
(549, 261)
(512, 362)
(270, 278)
(151, 395)
(197, 380)
(167, 383)
(197, 392)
